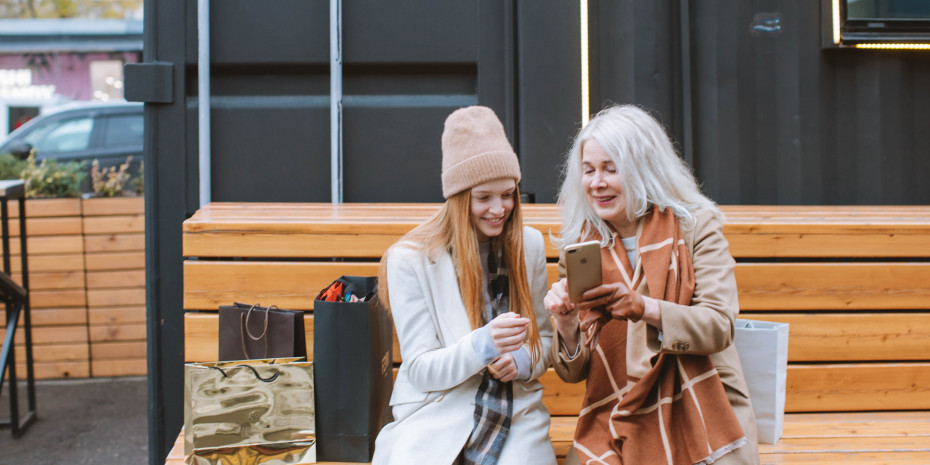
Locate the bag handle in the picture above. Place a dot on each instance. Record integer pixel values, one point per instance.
(244, 324)
(254, 371)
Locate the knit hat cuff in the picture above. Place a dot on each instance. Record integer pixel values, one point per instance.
(479, 169)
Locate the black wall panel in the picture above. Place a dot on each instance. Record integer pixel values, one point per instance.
(774, 119)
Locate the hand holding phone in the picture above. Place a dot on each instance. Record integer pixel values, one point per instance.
(582, 268)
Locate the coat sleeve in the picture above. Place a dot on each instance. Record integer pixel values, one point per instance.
(535, 252)
(430, 365)
(707, 325)
(571, 370)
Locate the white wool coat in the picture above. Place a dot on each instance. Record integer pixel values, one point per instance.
(434, 394)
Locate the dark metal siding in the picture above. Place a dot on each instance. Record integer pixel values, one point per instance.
(775, 119)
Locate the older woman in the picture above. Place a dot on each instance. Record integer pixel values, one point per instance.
(654, 341)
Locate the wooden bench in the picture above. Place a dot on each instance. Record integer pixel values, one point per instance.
(853, 282)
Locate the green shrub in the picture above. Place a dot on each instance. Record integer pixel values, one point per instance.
(10, 166)
(111, 181)
(51, 179)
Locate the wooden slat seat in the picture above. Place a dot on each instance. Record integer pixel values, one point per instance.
(853, 283)
(895, 438)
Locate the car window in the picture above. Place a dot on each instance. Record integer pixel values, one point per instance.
(67, 135)
(123, 130)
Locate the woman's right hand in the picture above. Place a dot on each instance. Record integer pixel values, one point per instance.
(558, 303)
(563, 311)
(508, 331)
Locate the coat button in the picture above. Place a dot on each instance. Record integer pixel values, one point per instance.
(680, 345)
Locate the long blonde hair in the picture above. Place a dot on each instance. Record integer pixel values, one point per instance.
(452, 231)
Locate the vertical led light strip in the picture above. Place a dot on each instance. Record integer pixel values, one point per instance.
(836, 22)
(335, 101)
(585, 113)
(203, 101)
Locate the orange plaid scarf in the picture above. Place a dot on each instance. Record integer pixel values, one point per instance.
(678, 413)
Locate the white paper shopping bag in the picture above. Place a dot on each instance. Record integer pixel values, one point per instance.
(763, 351)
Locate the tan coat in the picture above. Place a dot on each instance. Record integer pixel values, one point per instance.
(706, 328)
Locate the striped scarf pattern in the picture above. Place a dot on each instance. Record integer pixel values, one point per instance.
(678, 412)
(494, 399)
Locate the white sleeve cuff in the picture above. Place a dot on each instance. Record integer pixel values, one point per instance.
(483, 346)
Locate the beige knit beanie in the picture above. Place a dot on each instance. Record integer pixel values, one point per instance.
(475, 150)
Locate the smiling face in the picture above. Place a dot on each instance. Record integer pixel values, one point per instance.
(491, 204)
(604, 187)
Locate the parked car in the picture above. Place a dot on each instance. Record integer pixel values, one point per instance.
(83, 132)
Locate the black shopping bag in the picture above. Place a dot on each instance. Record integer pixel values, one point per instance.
(255, 332)
(352, 362)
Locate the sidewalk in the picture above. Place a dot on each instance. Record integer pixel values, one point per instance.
(99, 421)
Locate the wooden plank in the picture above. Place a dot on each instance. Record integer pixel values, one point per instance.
(762, 286)
(111, 368)
(113, 206)
(36, 208)
(259, 244)
(47, 263)
(847, 458)
(57, 226)
(117, 350)
(51, 335)
(753, 232)
(53, 280)
(112, 333)
(115, 261)
(114, 224)
(115, 279)
(115, 297)
(291, 285)
(860, 444)
(833, 286)
(114, 243)
(201, 337)
(55, 316)
(888, 244)
(55, 370)
(54, 353)
(58, 299)
(46, 245)
(854, 336)
(116, 315)
(856, 424)
(873, 386)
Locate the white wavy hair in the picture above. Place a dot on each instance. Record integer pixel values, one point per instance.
(650, 169)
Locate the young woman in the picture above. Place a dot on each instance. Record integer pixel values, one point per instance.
(654, 341)
(465, 289)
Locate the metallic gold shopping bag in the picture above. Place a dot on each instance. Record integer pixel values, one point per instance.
(250, 411)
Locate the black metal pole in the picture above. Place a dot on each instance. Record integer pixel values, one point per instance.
(27, 315)
(12, 318)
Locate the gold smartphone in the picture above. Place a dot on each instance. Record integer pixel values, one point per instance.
(582, 268)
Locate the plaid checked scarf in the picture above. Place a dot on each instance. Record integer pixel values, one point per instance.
(494, 399)
(678, 412)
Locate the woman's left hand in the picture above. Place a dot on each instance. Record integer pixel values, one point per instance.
(606, 302)
(616, 299)
(503, 368)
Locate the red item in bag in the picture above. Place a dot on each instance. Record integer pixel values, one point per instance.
(333, 293)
